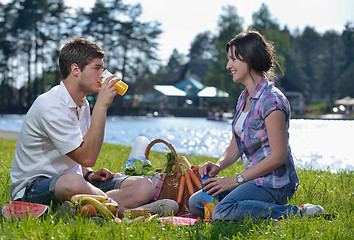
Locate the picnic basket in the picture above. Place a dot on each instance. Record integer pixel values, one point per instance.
(171, 182)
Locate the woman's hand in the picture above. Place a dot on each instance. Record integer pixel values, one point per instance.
(215, 186)
(212, 169)
(101, 175)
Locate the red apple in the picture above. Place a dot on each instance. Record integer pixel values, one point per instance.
(88, 210)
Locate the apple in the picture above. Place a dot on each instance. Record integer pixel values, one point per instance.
(88, 210)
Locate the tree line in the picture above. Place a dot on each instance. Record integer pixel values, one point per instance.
(32, 32)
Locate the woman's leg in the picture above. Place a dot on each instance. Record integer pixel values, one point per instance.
(250, 200)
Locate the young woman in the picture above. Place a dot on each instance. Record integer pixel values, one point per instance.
(260, 139)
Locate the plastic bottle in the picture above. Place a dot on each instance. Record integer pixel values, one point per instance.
(139, 147)
(137, 152)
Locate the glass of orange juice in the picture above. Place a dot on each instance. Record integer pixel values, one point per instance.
(121, 86)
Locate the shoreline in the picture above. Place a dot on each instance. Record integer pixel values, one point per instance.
(10, 135)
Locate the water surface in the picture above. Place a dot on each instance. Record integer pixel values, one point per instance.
(317, 144)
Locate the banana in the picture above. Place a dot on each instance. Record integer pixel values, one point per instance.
(100, 207)
(76, 198)
(110, 206)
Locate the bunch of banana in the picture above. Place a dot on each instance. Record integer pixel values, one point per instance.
(101, 203)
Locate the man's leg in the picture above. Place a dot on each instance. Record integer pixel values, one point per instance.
(71, 184)
(133, 192)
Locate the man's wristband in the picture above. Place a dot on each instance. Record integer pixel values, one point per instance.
(87, 174)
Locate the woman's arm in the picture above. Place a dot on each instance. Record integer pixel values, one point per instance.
(229, 156)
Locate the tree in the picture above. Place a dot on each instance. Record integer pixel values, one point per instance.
(176, 59)
(58, 29)
(270, 29)
(310, 50)
(331, 60)
(7, 55)
(229, 24)
(201, 46)
(101, 25)
(345, 86)
(31, 14)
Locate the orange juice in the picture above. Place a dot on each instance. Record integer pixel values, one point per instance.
(121, 87)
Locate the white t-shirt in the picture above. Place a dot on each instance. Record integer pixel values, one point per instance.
(239, 123)
(53, 127)
(238, 131)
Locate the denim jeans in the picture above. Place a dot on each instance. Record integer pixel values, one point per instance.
(41, 189)
(248, 200)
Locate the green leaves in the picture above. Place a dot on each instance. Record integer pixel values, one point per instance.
(170, 162)
(139, 168)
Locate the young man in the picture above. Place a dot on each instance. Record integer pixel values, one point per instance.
(59, 143)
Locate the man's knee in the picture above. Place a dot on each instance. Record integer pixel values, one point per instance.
(68, 185)
(146, 187)
(141, 186)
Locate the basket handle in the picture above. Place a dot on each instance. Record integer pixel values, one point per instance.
(169, 145)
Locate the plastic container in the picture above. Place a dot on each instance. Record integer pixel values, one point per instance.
(139, 147)
(137, 152)
(209, 201)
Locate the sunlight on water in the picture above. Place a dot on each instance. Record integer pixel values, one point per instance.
(317, 144)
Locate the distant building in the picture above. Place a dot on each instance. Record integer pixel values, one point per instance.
(182, 87)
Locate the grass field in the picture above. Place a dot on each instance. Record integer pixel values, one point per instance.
(333, 191)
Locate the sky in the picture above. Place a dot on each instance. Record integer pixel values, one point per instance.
(182, 20)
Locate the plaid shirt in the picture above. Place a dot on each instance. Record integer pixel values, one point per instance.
(253, 144)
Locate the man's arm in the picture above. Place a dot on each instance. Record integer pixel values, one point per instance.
(87, 153)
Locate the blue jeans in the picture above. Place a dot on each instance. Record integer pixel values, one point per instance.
(41, 189)
(248, 200)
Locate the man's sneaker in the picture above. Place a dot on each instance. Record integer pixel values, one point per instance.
(309, 210)
(163, 207)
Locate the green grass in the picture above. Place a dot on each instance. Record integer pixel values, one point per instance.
(319, 108)
(334, 191)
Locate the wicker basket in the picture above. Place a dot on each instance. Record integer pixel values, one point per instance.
(171, 184)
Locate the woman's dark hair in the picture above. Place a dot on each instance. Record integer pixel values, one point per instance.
(254, 49)
(80, 51)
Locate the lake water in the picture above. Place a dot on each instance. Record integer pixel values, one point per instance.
(317, 144)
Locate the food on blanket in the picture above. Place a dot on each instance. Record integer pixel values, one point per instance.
(21, 210)
(76, 198)
(189, 183)
(182, 183)
(152, 217)
(208, 210)
(139, 168)
(87, 211)
(111, 206)
(138, 215)
(194, 178)
(81, 201)
(134, 213)
(133, 220)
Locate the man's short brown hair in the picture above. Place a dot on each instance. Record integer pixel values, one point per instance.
(80, 51)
